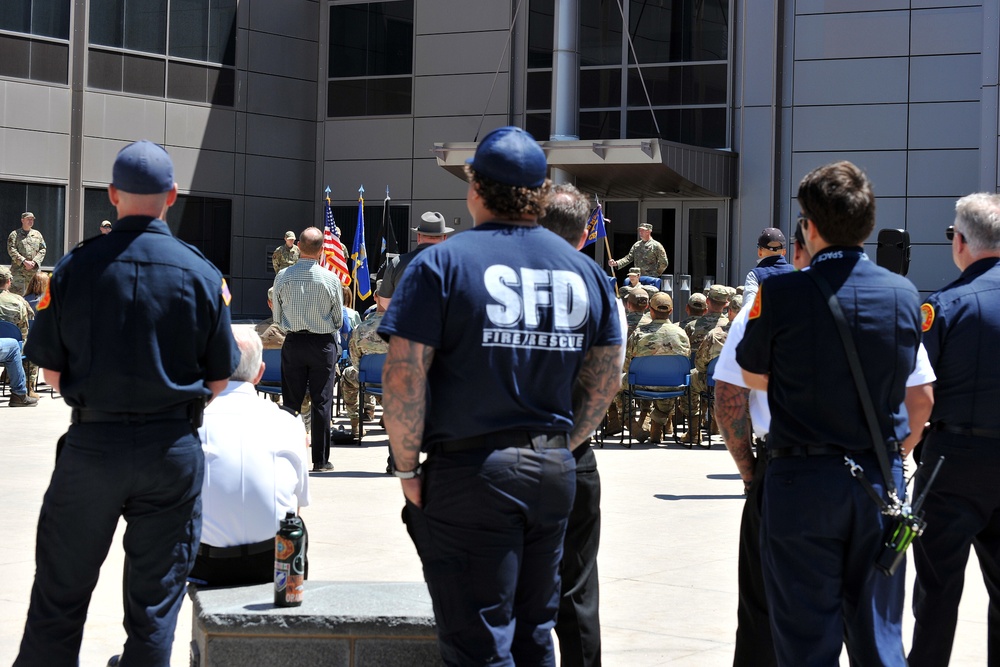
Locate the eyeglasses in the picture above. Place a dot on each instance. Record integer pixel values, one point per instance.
(950, 232)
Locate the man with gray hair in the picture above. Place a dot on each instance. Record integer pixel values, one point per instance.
(255, 472)
(961, 331)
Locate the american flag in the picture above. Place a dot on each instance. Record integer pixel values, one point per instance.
(334, 253)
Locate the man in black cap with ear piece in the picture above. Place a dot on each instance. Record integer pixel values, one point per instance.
(430, 231)
(771, 248)
(106, 336)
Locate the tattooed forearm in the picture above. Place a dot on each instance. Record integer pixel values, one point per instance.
(734, 425)
(404, 381)
(598, 382)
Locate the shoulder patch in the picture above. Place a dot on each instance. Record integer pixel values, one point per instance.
(226, 296)
(755, 308)
(926, 317)
(46, 299)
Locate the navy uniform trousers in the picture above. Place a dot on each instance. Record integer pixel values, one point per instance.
(578, 625)
(309, 359)
(149, 473)
(754, 645)
(818, 561)
(490, 539)
(962, 510)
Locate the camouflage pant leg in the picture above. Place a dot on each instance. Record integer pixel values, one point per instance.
(306, 411)
(30, 374)
(663, 410)
(19, 279)
(349, 389)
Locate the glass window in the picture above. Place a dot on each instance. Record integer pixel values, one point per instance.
(600, 124)
(539, 93)
(538, 125)
(540, 33)
(205, 223)
(49, 62)
(96, 208)
(697, 127)
(47, 202)
(688, 85)
(105, 70)
(679, 30)
(600, 32)
(143, 76)
(376, 41)
(600, 88)
(46, 18)
(138, 25)
(201, 30)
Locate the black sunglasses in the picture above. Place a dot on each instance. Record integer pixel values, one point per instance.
(950, 232)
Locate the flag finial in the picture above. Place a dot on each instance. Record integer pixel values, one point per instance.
(387, 192)
(361, 190)
(327, 191)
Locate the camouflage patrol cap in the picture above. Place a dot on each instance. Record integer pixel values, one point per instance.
(661, 303)
(638, 297)
(635, 271)
(289, 234)
(697, 301)
(4, 274)
(736, 301)
(27, 214)
(646, 226)
(650, 290)
(718, 293)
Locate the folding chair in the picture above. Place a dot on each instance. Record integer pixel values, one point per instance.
(270, 382)
(342, 363)
(654, 378)
(709, 396)
(369, 382)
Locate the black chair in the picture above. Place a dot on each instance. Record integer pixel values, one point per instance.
(369, 382)
(270, 382)
(709, 401)
(655, 378)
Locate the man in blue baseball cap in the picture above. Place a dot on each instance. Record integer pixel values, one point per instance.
(106, 335)
(504, 353)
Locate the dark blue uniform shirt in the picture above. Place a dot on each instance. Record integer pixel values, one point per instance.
(770, 266)
(962, 337)
(511, 311)
(791, 334)
(136, 321)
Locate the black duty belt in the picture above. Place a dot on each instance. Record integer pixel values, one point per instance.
(85, 416)
(240, 551)
(967, 431)
(502, 440)
(306, 332)
(821, 450)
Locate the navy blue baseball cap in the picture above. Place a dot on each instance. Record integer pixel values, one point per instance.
(143, 168)
(512, 156)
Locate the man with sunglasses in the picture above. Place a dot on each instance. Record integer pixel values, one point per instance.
(961, 327)
(820, 529)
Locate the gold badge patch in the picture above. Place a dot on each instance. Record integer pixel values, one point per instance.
(926, 317)
(755, 308)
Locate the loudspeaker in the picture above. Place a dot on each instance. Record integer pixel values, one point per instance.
(893, 250)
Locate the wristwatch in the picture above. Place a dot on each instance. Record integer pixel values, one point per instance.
(406, 474)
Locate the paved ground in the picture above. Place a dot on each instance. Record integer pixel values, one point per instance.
(667, 562)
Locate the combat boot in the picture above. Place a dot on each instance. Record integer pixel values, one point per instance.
(635, 429)
(656, 433)
(369, 413)
(614, 421)
(22, 401)
(31, 389)
(355, 427)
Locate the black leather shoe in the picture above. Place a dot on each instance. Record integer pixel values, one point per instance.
(325, 467)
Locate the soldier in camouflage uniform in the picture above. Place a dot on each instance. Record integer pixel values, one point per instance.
(636, 309)
(286, 254)
(14, 309)
(26, 248)
(364, 340)
(647, 254)
(711, 346)
(659, 336)
(697, 330)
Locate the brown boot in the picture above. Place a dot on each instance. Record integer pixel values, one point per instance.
(22, 401)
(31, 389)
(635, 428)
(614, 421)
(656, 433)
(354, 427)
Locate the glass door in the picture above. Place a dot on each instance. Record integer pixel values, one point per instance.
(695, 236)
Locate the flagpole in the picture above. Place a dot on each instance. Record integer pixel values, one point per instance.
(607, 246)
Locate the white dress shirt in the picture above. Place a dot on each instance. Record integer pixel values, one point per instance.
(255, 468)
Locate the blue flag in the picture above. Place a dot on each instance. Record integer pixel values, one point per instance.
(595, 226)
(359, 254)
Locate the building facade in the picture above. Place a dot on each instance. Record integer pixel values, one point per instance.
(696, 116)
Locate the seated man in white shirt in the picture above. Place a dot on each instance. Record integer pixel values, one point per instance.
(255, 472)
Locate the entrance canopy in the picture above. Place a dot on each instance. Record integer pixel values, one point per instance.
(626, 168)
